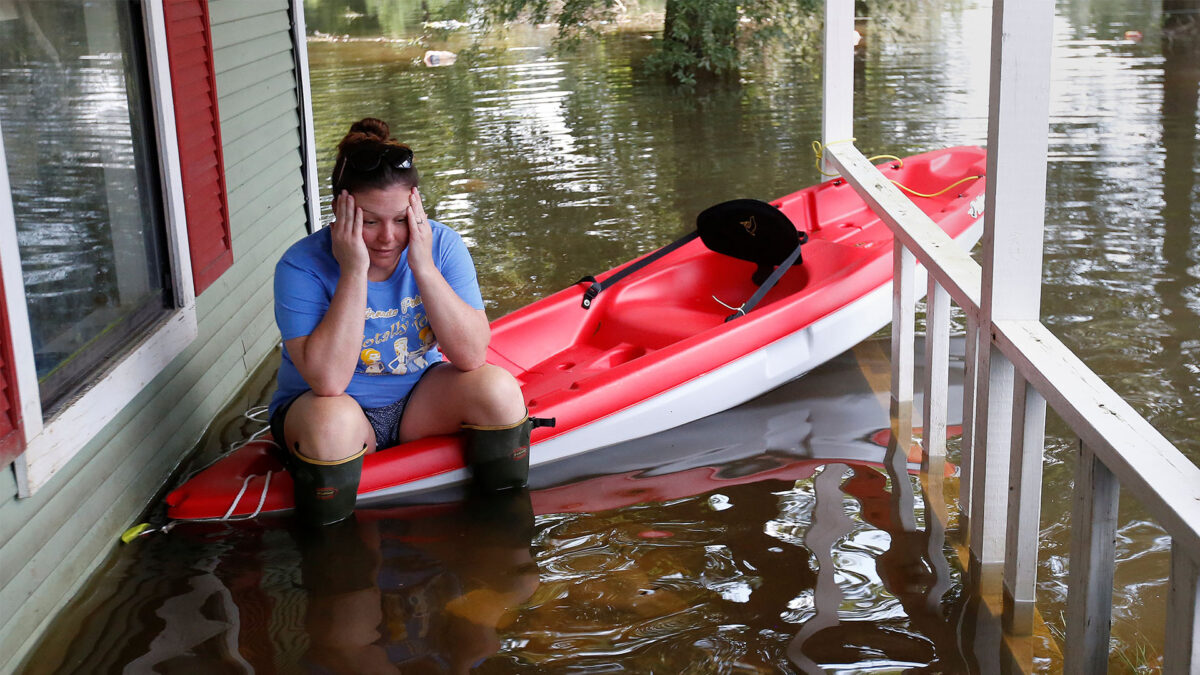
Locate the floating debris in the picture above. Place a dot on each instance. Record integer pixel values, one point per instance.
(449, 24)
(435, 58)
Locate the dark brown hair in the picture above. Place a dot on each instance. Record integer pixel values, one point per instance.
(367, 136)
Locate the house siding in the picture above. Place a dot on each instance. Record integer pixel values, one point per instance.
(50, 543)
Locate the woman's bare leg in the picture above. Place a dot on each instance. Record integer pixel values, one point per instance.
(327, 428)
(448, 398)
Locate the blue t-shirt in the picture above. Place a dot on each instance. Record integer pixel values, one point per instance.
(398, 342)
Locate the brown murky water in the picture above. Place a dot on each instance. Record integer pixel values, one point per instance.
(776, 537)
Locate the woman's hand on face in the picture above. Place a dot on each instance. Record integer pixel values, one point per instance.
(420, 235)
(349, 249)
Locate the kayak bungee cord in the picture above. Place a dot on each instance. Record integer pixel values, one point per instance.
(236, 500)
(254, 414)
(819, 151)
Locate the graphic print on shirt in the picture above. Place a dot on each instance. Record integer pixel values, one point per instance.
(411, 328)
(372, 360)
(412, 361)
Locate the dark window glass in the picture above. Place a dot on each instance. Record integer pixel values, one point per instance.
(75, 108)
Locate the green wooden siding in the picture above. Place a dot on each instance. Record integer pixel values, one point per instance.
(50, 543)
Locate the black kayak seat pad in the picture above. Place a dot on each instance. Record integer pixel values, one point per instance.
(751, 230)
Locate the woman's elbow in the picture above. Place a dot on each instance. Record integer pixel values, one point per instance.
(326, 390)
(469, 362)
(327, 386)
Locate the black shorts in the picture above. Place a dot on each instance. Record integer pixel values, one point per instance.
(384, 420)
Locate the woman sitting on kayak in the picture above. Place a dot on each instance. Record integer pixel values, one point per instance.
(369, 308)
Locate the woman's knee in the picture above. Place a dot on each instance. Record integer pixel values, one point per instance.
(498, 391)
(326, 427)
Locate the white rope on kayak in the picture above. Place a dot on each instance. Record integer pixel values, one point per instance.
(262, 499)
(729, 307)
(257, 414)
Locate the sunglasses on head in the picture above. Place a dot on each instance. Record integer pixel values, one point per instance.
(365, 160)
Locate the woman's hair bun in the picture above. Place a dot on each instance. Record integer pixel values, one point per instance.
(370, 135)
(372, 127)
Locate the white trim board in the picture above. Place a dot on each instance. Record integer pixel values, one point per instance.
(312, 184)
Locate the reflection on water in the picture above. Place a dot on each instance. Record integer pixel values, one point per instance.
(780, 536)
(420, 591)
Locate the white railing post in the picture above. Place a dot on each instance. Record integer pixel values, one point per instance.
(988, 523)
(904, 307)
(1093, 561)
(970, 386)
(1024, 507)
(937, 369)
(1181, 653)
(1018, 123)
(837, 76)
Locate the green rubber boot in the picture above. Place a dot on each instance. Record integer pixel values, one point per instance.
(499, 455)
(325, 491)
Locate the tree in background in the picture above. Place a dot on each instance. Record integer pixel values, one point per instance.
(701, 39)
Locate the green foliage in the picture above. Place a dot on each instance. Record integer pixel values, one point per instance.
(701, 39)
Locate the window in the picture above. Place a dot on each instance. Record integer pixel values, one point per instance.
(103, 185)
(74, 107)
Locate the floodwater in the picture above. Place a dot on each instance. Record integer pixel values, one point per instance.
(781, 536)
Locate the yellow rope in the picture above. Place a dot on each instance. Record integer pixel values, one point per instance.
(939, 192)
(819, 151)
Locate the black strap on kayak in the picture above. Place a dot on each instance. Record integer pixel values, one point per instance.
(770, 282)
(590, 294)
(538, 422)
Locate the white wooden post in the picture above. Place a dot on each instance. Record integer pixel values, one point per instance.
(937, 369)
(1018, 121)
(990, 455)
(904, 307)
(837, 76)
(970, 385)
(1182, 650)
(1024, 507)
(1093, 560)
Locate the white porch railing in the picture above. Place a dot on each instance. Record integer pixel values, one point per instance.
(1015, 367)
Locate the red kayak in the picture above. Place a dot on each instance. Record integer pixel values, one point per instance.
(679, 334)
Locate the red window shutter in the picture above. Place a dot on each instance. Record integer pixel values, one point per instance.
(198, 125)
(12, 433)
